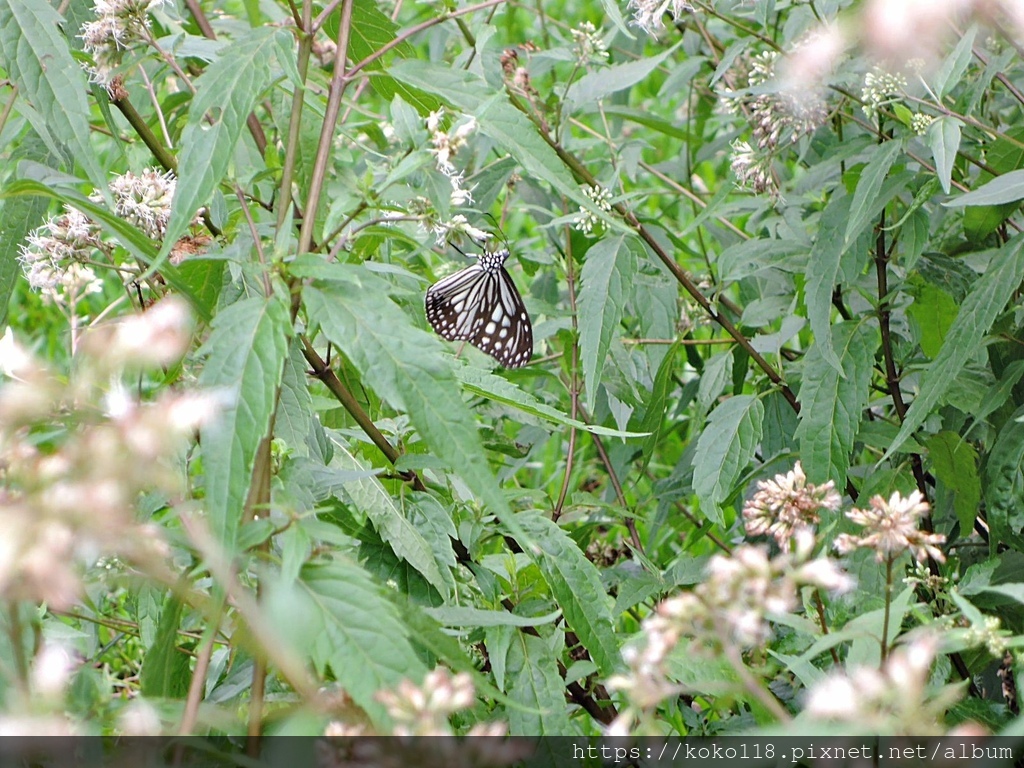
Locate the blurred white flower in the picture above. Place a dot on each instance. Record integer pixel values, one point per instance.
(648, 14)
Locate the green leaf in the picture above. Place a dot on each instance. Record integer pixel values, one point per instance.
(455, 616)
(955, 463)
(1003, 498)
(606, 279)
(485, 384)
(36, 58)
(603, 82)
(612, 10)
(357, 631)
(822, 272)
(933, 311)
(866, 196)
(953, 67)
(831, 403)
(225, 95)
(165, 670)
(724, 449)
(654, 409)
(1008, 188)
(506, 125)
(944, 141)
(406, 367)
(977, 313)
(371, 30)
(576, 585)
(371, 498)
(534, 683)
(245, 357)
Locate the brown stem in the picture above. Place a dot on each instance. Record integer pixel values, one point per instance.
(198, 684)
(346, 398)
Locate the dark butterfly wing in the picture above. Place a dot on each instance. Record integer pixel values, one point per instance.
(484, 308)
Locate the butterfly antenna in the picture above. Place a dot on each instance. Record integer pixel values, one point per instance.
(453, 245)
(500, 232)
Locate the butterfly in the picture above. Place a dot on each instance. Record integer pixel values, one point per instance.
(481, 305)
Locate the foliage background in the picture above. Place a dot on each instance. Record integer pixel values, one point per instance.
(788, 264)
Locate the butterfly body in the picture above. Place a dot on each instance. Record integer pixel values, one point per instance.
(481, 305)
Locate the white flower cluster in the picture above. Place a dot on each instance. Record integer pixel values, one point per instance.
(586, 219)
(590, 46)
(56, 256)
(119, 24)
(648, 14)
(880, 88)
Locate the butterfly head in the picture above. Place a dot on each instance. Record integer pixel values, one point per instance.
(492, 261)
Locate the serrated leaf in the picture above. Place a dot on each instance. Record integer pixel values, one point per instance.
(1008, 188)
(654, 409)
(225, 95)
(357, 631)
(603, 82)
(165, 669)
(606, 287)
(955, 462)
(822, 272)
(977, 313)
(866, 196)
(724, 449)
(1002, 473)
(944, 141)
(576, 586)
(371, 498)
(485, 384)
(406, 367)
(534, 683)
(36, 58)
(831, 403)
(245, 357)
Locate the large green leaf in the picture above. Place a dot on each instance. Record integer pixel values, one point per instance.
(225, 95)
(576, 585)
(944, 141)
(371, 30)
(406, 367)
(831, 403)
(36, 58)
(977, 313)
(1002, 488)
(484, 384)
(867, 197)
(534, 683)
(1008, 188)
(603, 82)
(245, 357)
(357, 631)
(506, 125)
(724, 449)
(165, 669)
(393, 525)
(606, 279)
(955, 462)
(822, 271)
